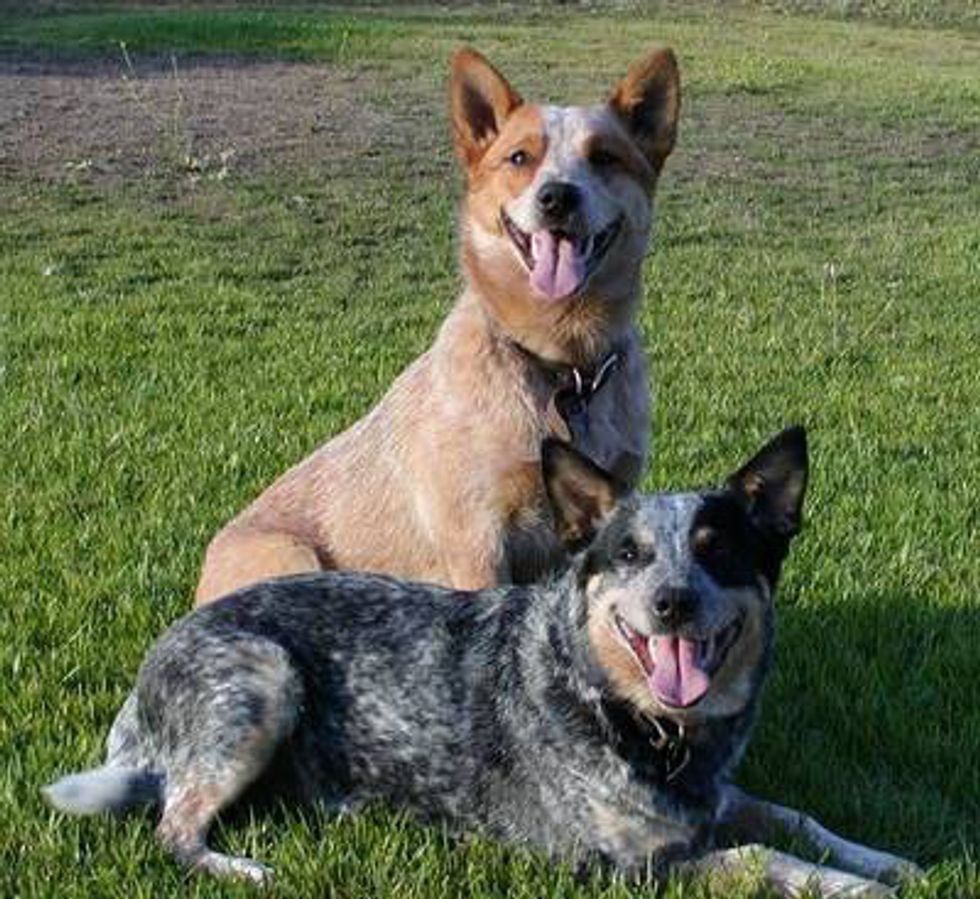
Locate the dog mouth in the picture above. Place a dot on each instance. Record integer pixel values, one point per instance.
(679, 669)
(560, 263)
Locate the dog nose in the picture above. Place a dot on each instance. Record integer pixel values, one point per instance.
(673, 606)
(558, 199)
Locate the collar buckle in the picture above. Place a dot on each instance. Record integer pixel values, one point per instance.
(571, 399)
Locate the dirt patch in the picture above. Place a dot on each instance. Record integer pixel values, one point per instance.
(113, 120)
(110, 121)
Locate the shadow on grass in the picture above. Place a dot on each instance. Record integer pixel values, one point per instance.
(871, 720)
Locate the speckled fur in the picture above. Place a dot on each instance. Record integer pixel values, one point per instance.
(494, 712)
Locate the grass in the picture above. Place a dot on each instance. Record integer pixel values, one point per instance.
(323, 36)
(169, 342)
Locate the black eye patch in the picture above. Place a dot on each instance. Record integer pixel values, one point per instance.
(725, 543)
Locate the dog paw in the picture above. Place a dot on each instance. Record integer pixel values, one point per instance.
(247, 869)
(890, 869)
(901, 871)
(235, 867)
(829, 883)
(870, 889)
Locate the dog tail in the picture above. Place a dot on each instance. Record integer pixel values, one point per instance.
(106, 789)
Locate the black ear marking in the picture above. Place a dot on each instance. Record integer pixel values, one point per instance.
(582, 495)
(773, 482)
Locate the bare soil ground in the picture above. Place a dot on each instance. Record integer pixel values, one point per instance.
(110, 121)
(106, 121)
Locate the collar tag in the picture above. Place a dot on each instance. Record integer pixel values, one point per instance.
(571, 399)
(572, 389)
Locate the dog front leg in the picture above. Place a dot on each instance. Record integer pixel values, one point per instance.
(471, 559)
(746, 819)
(784, 874)
(469, 576)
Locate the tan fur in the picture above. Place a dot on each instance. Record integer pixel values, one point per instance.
(257, 555)
(183, 826)
(440, 481)
(626, 677)
(731, 684)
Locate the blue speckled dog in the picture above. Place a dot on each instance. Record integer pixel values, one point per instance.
(598, 716)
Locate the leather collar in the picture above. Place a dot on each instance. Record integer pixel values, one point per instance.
(572, 387)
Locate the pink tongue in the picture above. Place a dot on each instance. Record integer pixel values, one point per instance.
(677, 678)
(559, 266)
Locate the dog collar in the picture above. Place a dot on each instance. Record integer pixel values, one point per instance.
(670, 741)
(660, 744)
(573, 388)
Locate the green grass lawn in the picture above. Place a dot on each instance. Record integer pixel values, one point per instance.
(174, 335)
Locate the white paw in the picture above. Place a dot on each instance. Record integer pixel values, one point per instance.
(887, 868)
(235, 867)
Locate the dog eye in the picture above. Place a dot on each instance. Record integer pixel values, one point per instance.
(628, 551)
(709, 543)
(603, 159)
(519, 158)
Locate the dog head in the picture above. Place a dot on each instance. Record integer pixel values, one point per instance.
(559, 199)
(678, 587)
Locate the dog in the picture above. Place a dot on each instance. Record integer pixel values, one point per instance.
(441, 480)
(598, 716)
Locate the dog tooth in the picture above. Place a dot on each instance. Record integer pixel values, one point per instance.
(652, 646)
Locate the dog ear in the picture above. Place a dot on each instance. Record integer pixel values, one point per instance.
(480, 100)
(648, 102)
(772, 483)
(582, 495)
